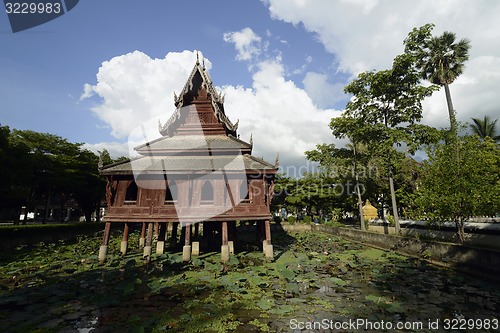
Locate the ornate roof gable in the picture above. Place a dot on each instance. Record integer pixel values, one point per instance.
(197, 95)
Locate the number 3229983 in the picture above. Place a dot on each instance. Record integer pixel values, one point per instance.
(32, 8)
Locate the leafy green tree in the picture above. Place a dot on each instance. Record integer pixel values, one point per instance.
(440, 59)
(11, 168)
(475, 191)
(47, 166)
(352, 168)
(485, 128)
(384, 108)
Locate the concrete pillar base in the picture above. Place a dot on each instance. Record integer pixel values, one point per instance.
(195, 251)
(224, 253)
(141, 242)
(269, 253)
(264, 244)
(123, 247)
(103, 251)
(160, 247)
(147, 253)
(231, 247)
(186, 253)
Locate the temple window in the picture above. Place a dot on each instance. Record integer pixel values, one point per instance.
(207, 193)
(245, 192)
(170, 193)
(131, 194)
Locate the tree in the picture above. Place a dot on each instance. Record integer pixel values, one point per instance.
(352, 168)
(440, 59)
(485, 128)
(476, 190)
(47, 165)
(311, 191)
(384, 107)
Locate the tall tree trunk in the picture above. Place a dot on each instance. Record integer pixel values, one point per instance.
(451, 111)
(360, 203)
(460, 230)
(358, 191)
(391, 186)
(394, 204)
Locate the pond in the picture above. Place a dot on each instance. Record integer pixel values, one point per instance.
(317, 283)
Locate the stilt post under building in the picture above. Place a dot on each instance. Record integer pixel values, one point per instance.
(149, 240)
(160, 244)
(124, 243)
(186, 250)
(224, 252)
(173, 238)
(103, 250)
(268, 247)
(143, 235)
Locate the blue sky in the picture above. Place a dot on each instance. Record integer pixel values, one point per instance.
(282, 64)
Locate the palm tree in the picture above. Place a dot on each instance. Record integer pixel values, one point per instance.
(440, 59)
(443, 63)
(485, 128)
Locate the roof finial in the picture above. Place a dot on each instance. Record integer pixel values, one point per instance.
(160, 126)
(277, 163)
(197, 58)
(251, 139)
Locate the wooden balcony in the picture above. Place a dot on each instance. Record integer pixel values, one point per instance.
(169, 213)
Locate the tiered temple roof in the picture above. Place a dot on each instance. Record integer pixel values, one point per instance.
(198, 136)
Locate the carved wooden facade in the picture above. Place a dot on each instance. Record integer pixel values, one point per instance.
(198, 172)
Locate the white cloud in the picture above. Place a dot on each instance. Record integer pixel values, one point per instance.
(137, 90)
(115, 149)
(134, 88)
(281, 116)
(366, 35)
(322, 92)
(246, 42)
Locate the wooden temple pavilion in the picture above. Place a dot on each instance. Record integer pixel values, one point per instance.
(198, 174)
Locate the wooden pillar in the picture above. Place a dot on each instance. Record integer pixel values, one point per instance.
(124, 243)
(103, 250)
(195, 245)
(225, 237)
(267, 227)
(224, 255)
(143, 234)
(186, 250)
(268, 247)
(173, 237)
(160, 244)
(149, 240)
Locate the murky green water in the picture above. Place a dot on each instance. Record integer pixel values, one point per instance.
(316, 284)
